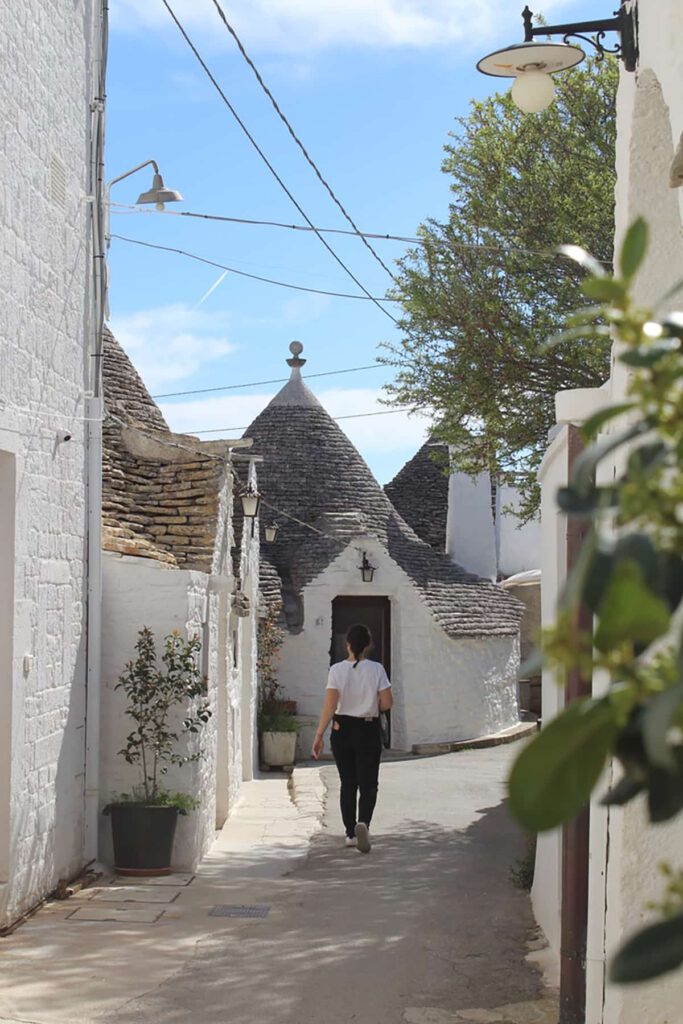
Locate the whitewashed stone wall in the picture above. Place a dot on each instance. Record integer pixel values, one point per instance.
(624, 848)
(444, 689)
(482, 544)
(650, 123)
(141, 592)
(45, 52)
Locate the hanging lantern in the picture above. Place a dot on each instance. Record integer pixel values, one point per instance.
(251, 500)
(271, 531)
(366, 569)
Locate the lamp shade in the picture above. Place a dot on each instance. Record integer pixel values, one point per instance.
(159, 194)
(251, 500)
(271, 531)
(533, 91)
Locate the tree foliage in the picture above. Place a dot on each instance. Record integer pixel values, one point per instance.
(156, 698)
(630, 577)
(481, 295)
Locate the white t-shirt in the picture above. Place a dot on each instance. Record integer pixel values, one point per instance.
(358, 687)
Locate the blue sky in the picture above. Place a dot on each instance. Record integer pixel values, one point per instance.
(372, 88)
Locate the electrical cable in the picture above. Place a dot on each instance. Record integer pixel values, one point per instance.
(268, 164)
(276, 380)
(350, 416)
(255, 277)
(408, 239)
(298, 141)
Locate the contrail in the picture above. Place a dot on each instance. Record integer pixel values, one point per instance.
(212, 288)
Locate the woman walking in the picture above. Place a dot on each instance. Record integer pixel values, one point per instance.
(357, 690)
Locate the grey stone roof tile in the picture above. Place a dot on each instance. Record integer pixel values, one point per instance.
(419, 492)
(313, 472)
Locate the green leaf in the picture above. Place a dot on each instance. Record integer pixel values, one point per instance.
(604, 289)
(584, 467)
(629, 610)
(553, 777)
(657, 722)
(651, 952)
(599, 499)
(532, 665)
(596, 578)
(624, 791)
(598, 419)
(665, 795)
(648, 356)
(633, 248)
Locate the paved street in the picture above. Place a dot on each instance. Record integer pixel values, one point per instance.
(427, 929)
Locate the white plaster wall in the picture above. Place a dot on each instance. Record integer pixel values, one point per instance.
(650, 122)
(470, 534)
(519, 546)
(140, 592)
(546, 894)
(444, 689)
(481, 544)
(45, 52)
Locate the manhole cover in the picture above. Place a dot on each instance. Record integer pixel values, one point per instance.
(228, 910)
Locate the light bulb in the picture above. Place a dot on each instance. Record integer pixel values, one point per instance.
(160, 207)
(533, 91)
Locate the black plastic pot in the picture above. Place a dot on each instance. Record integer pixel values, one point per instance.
(143, 838)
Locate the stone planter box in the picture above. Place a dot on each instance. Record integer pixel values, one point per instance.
(278, 748)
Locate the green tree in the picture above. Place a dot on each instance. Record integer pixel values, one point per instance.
(481, 296)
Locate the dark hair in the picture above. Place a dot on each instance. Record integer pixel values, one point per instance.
(358, 638)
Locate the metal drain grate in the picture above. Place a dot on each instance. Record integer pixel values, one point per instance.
(228, 910)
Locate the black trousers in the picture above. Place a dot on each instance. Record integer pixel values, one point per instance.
(357, 748)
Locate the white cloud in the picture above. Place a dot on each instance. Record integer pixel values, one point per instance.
(309, 25)
(169, 343)
(373, 436)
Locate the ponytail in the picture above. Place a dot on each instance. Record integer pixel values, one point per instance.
(359, 639)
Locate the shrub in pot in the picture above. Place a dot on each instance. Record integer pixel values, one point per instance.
(166, 704)
(278, 738)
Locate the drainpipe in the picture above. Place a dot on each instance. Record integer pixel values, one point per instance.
(575, 834)
(94, 415)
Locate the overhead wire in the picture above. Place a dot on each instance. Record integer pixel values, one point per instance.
(297, 140)
(210, 456)
(349, 416)
(268, 163)
(254, 277)
(275, 380)
(383, 236)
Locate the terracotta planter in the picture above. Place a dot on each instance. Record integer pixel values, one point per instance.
(278, 748)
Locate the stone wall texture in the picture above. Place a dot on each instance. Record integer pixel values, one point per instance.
(445, 688)
(45, 264)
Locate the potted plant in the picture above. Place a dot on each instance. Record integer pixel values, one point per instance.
(269, 643)
(278, 733)
(277, 725)
(144, 821)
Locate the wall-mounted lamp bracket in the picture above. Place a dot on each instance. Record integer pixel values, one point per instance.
(623, 23)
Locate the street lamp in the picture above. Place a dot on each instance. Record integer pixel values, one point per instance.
(157, 194)
(531, 64)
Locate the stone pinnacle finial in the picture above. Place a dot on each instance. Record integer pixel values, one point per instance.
(296, 348)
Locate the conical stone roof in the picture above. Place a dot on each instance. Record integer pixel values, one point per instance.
(419, 492)
(312, 472)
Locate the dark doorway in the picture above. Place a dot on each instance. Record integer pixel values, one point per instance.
(373, 612)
